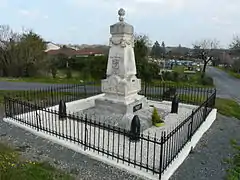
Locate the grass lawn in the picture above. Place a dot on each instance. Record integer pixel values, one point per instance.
(179, 69)
(228, 107)
(49, 80)
(193, 78)
(193, 83)
(231, 73)
(14, 167)
(32, 95)
(233, 173)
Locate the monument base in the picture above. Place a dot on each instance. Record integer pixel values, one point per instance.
(119, 111)
(121, 106)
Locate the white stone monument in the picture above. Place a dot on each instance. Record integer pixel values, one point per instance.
(121, 86)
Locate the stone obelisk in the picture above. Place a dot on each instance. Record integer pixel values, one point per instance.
(121, 86)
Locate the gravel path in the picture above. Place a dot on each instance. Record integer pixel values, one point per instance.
(206, 161)
(36, 148)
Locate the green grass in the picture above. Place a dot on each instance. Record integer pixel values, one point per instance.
(228, 107)
(233, 172)
(32, 95)
(49, 80)
(230, 72)
(179, 69)
(14, 167)
(193, 83)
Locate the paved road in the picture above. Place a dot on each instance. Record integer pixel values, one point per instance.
(227, 86)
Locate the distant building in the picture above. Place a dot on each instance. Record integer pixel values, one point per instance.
(51, 46)
(88, 52)
(70, 52)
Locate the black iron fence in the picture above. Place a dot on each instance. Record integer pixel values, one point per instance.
(153, 152)
(47, 97)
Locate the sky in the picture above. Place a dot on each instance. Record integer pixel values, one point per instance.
(87, 22)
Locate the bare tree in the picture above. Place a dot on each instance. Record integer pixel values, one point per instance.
(235, 44)
(205, 48)
(235, 51)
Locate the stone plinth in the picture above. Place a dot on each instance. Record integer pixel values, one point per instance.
(121, 106)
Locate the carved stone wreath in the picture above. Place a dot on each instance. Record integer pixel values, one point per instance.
(122, 42)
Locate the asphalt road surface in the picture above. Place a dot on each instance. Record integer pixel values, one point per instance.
(226, 85)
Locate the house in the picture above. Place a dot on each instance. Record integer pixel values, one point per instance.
(51, 46)
(225, 58)
(88, 52)
(69, 52)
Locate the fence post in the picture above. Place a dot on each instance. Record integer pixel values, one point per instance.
(214, 97)
(163, 138)
(85, 89)
(37, 118)
(51, 92)
(145, 88)
(191, 126)
(86, 134)
(205, 110)
(5, 106)
(10, 102)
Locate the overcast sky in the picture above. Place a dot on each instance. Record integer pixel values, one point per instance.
(87, 21)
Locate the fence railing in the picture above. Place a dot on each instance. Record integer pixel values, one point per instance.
(152, 152)
(176, 139)
(50, 96)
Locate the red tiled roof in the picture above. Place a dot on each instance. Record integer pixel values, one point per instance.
(66, 51)
(72, 52)
(88, 52)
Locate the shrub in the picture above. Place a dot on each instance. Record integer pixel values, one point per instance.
(69, 73)
(176, 76)
(167, 76)
(206, 80)
(54, 72)
(155, 117)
